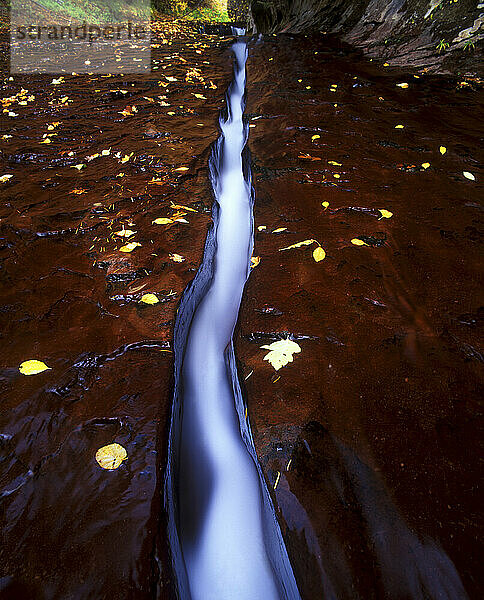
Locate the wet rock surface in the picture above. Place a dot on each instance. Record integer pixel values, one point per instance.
(369, 437)
(388, 381)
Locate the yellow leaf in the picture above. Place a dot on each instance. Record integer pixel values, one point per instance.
(468, 175)
(182, 169)
(358, 242)
(110, 457)
(315, 137)
(106, 152)
(279, 230)
(298, 245)
(442, 149)
(385, 214)
(336, 175)
(176, 257)
(254, 261)
(325, 204)
(386, 64)
(129, 247)
(46, 141)
(426, 165)
(201, 96)
(399, 126)
(162, 221)
(126, 158)
(32, 367)
(319, 254)
(181, 207)
(149, 299)
(261, 228)
(281, 352)
(5, 178)
(125, 233)
(402, 85)
(333, 162)
(79, 167)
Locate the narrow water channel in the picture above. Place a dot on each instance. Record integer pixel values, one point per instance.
(224, 535)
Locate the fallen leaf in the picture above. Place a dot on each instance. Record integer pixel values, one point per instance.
(325, 204)
(402, 85)
(333, 162)
(468, 175)
(385, 214)
(261, 228)
(358, 242)
(176, 257)
(315, 137)
(181, 207)
(32, 367)
(201, 96)
(182, 169)
(319, 254)
(162, 221)
(5, 178)
(149, 299)
(399, 126)
(281, 352)
(254, 261)
(298, 245)
(79, 167)
(125, 233)
(279, 230)
(442, 149)
(129, 247)
(111, 456)
(426, 165)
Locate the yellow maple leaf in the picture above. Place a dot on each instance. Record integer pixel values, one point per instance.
(442, 149)
(111, 456)
(32, 367)
(385, 214)
(281, 352)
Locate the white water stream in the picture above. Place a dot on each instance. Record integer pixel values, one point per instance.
(225, 539)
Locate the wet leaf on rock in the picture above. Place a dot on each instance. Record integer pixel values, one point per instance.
(254, 261)
(149, 299)
(176, 257)
(298, 244)
(5, 178)
(111, 456)
(162, 221)
(281, 352)
(32, 367)
(385, 214)
(319, 254)
(358, 242)
(129, 247)
(468, 175)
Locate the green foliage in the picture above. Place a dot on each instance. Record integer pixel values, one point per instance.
(442, 45)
